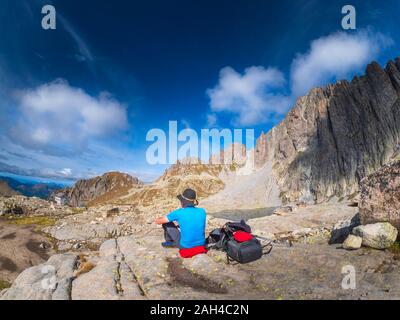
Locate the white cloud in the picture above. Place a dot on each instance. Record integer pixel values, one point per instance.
(42, 172)
(66, 172)
(251, 96)
(334, 57)
(57, 118)
(257, 96)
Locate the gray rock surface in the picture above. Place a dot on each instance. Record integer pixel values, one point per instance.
(117, 279)
(82, 232)
(139, 268)
(49, 281)
(377, 236)
(380, 196)
(352, 243)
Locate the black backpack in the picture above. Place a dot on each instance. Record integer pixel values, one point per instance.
(241, 252)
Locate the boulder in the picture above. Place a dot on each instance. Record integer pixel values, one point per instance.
(377, 236)
(352, 243)
(10, 206)
(18, 205)
(282, 211)
(49, 281)
(110, 213)
(380, 196)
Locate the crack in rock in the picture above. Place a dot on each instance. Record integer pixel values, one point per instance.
(126, 265)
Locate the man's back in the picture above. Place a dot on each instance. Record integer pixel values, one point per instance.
(192, 222)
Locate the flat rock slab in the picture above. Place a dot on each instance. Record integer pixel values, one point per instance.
(148, 271)
(317, 216)
(20, 248)
(139, 268)
(82, 232)
(49, 281)
(118, 282)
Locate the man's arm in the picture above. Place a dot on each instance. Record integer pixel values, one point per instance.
(162, 220)
(171, 217)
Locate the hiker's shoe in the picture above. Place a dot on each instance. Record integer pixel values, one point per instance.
(168, 244)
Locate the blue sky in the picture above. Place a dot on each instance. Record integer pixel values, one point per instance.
(78, 101)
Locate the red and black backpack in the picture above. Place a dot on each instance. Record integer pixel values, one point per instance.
(236, 240)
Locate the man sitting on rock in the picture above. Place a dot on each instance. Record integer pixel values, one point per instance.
(189, 236)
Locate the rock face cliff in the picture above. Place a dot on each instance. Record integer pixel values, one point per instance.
(99, 190)
(235, 154)
(335, 136)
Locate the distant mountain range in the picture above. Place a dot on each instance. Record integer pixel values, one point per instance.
(10, 187)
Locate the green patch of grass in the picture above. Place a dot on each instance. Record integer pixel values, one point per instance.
(77, 210)
(38, 221)
(4, 284)
(395, 248)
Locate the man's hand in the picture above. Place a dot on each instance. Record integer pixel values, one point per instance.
(162, 220)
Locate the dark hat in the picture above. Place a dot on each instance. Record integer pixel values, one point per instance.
(189, 197)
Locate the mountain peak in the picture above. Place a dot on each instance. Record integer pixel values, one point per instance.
(110, 185)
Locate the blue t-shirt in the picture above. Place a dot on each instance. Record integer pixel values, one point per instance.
(192, 222)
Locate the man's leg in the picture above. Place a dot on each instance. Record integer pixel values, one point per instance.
(172, 234)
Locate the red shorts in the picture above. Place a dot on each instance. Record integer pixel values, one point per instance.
(190, 253)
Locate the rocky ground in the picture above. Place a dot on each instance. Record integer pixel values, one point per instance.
(111, 250)
(122, 247)
(138, 268)
(22, 242)
(20, 248)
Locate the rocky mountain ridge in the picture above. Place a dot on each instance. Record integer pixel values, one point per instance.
(335, 136)
(109, 186)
